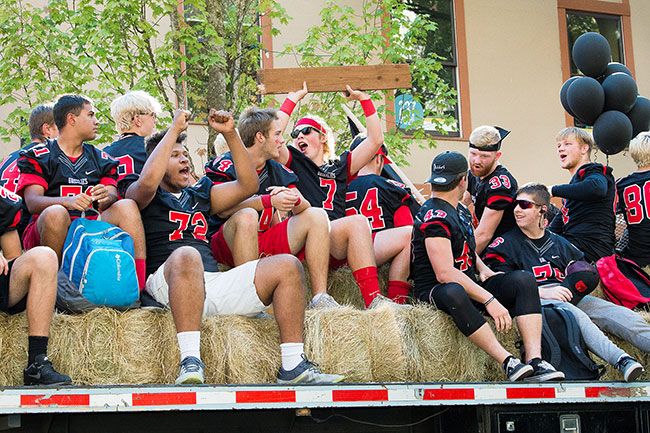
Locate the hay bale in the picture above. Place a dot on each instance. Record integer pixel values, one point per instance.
(13, 349)
(334, 339)
(437, 346)
(383, 335)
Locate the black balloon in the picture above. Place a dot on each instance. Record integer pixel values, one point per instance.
(620, 92)
(612, 132)
(591, 54)
(640, 115)
(617, 67)
(563, 92)
(586, 99)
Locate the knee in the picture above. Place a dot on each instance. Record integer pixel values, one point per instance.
(126, 208)
(359, 222)
(316, 216)
(54, 217)
(452, 295)
(244, 219)
(290, 266)
(185, 260)
(42, 258)
(524, 282)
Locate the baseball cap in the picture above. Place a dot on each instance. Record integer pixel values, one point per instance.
(446, 167)
(383, 150)
(581, 279)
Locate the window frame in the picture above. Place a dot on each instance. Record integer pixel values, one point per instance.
(596, 7)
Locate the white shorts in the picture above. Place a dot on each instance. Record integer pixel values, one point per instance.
(231, 292)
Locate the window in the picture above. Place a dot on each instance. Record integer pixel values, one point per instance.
(609, 26)
(441, 42)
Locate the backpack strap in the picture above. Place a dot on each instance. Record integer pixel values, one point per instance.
(547, 334)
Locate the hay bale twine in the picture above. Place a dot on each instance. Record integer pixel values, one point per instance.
(334, 339)
(13, 349)
(439, 352)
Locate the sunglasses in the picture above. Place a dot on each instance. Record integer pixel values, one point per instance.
(305, 131)
(525, 204)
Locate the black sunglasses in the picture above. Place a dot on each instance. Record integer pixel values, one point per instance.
(526, 204)
(305, 131)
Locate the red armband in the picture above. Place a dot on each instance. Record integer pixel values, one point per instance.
(287, 106)
(266, 201)
(298, 202)
(368, 107)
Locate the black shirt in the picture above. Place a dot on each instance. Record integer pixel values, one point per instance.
(131, 154)
(497, 191)
(633, 193)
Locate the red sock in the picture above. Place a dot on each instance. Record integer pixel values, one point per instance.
(399, 291)
(368, 283)
(141, 272)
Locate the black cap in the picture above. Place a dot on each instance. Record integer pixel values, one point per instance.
(446, 167)
(503, 133)
(383, 150)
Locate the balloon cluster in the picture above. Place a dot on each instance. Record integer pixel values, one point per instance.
(606, 98)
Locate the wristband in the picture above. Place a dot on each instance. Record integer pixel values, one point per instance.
(486, 303)
(297, 202)
(287, 106)
(266, 201)
(368, 107)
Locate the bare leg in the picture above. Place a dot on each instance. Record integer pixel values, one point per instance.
(485, 339)
(530, 327)
(34, 275)
(184, 276)
(126, 215)
(240, 233)
(280, 280)
(310, 229)
(52, 226)
(394, 245)
(350, 237)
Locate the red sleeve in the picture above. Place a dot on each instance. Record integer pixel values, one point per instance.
(403, 217)
(108, 181)
(26, 180)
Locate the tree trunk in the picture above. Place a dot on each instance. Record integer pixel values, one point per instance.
(216, 85)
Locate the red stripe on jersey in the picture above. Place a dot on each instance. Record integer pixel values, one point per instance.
(406, 197)
(351, 176)
(495, 198)
(403, 217)
(108, 181)
(440, 223)
(27, 179)
(37, 167)
(495, 256)
(16, 220)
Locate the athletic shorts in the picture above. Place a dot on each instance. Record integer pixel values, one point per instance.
(31, 237)
(271, 242)
(4, 294)
(230, 292)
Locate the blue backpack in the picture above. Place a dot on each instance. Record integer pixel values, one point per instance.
(99, 259)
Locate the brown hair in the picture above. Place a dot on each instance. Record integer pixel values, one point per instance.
(254, 120)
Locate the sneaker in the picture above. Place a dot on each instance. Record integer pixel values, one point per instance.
(630, 368)
(515, 369)
(191, 371)
(307, 372)
(323, 300)
(41, 372)
(543, 371)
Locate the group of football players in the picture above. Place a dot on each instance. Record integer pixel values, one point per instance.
(480, 244)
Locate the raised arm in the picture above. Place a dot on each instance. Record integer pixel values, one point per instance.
(284, 114)
(144, 189)
(368, 148)
(229, 194)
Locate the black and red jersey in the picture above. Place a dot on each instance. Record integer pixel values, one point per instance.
(633, 193)
(9, 171)
(222, 169)
(175, 220)
(439, 219)
(131, 154)
(10, 211)
(386, 203)
(323, 186)
(587, 217)
(498, 191)
(547, 257)
(61, 176)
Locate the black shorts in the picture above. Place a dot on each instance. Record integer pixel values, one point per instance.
(4, 294)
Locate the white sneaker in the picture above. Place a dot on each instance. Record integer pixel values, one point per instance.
(191, 371)
(307, 372)
(323, 300)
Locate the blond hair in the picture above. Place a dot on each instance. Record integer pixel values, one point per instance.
(126, 107)
(640, 149)
(582, 136)
(330, 144)
(484, 136)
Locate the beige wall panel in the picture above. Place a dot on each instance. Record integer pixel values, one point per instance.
(640, 17)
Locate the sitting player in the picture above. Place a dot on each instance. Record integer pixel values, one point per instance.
(445, 268)
(387, 206)
(323, 182)
(490, 185)
(305, 232)
(135, 116)
(530, 247)
(633, 196)
(28, 282)
(69, 177)
(587, 216)
(182, 271)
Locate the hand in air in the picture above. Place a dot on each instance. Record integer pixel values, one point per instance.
(221, 121)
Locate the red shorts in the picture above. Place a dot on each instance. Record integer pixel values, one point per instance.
(271, 242)
(31, 237)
